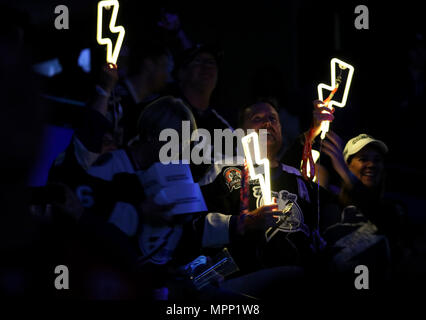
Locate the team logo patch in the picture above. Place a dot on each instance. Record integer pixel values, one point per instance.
(232, 178)
(292, 220)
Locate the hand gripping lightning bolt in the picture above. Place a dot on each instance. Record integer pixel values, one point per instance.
(335, 82)
(264, 177)
(112, 55)
(308, 161)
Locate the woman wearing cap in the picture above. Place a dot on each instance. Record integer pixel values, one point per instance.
(361, 167)
(362, 160)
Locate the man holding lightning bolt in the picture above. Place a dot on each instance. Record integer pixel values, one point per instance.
(281, 234)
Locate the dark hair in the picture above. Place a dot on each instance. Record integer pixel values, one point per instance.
(138, 53)
(187, 56)
(269, 100)
(349, 159)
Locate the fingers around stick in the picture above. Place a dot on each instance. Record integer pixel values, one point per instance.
(317, 103)
(324, 116)
(328, 145)
(269, 213)
(269, 208)
(329, 150)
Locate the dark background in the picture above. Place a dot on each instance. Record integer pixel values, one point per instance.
(282, 48)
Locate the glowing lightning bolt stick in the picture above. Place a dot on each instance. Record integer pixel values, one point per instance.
(112, 55)
(264, 178)
(333, 88)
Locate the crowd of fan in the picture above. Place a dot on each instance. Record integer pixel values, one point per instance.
(94, 216)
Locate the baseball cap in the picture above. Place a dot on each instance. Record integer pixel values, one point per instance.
(357, 143)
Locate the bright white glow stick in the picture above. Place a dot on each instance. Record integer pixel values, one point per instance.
(265, 177)
(112, 55)
(342, 65)
(315, 157)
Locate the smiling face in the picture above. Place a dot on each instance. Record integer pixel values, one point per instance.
(263, 116)
(368, 166)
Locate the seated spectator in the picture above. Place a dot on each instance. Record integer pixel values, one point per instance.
(102, 129)
(137, 220)
(373, 217)
(147, 76)
(281, 234)
(196, 74)
(98, 134)
(94, 132)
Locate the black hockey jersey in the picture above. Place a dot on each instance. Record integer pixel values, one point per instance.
(293, 241)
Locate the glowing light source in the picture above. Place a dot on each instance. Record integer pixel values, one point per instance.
(112, 54)
(263, 174)
(333, 87)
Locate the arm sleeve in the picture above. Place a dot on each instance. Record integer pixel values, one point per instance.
(92, 129)
(216, 227)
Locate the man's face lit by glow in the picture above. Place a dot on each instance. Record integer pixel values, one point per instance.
(263, 116)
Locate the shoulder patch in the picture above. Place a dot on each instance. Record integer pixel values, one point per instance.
(232, 176)
(214, 171)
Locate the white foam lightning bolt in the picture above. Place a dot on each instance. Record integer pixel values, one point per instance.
(342, 65)
(265, 177)
(112, 55)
